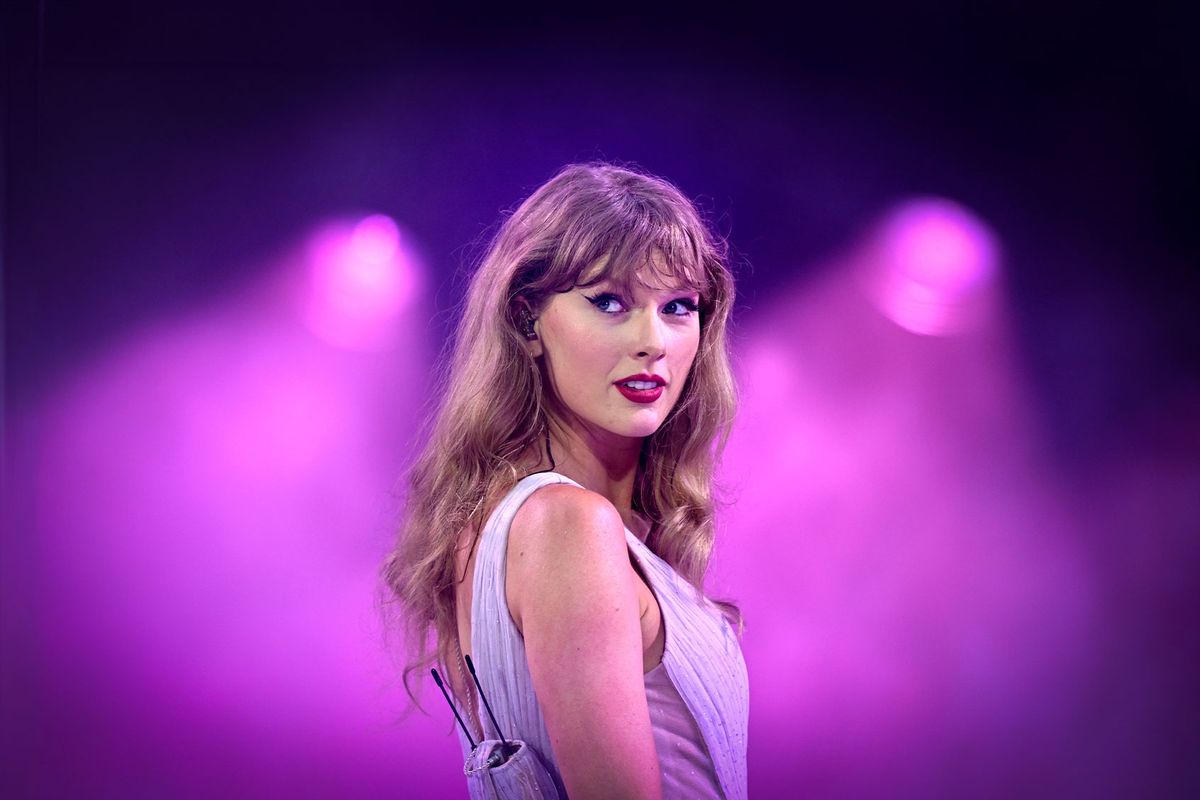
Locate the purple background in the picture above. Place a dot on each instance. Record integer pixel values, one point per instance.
(963, 492)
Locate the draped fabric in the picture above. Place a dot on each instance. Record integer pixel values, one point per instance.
(698, 696)
(684, 763)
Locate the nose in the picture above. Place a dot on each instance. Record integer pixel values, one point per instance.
(651, 338)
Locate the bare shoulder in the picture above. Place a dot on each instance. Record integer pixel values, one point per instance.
(559, 533)
(563, 506)
(576, 593)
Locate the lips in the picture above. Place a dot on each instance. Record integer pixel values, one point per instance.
(640, 395)
(643, 376)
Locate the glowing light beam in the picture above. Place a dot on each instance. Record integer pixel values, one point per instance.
(362, 276)
(932, 267)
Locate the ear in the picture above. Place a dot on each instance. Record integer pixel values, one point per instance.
(521, 308)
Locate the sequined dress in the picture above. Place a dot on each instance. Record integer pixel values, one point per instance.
(698, 696)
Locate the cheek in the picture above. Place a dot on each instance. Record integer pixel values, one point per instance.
(578, 346)
(580, 354)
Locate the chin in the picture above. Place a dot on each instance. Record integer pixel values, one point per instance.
(641, 430)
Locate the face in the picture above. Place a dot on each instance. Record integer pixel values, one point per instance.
(592, 338)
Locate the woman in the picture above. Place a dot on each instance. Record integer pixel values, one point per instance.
(559, 520)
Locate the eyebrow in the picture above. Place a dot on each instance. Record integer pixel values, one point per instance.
(679, 289)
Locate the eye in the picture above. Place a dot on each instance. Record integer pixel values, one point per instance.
(602, 299)
(688, 305)
(605, 300)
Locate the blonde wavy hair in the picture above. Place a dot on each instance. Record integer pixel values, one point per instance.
(493, 408)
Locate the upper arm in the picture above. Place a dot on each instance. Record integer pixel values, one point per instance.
(575, 594)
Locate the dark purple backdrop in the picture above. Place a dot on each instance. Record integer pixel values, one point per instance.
(966, 553)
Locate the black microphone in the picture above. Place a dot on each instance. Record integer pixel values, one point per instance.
(438, 680)
(507, 749)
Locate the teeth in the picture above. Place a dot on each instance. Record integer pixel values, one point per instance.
(640, 385)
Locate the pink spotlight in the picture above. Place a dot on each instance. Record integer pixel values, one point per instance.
(375, 239)
(933, 267)
(361, 277)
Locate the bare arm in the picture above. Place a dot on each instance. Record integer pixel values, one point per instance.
(573, 593)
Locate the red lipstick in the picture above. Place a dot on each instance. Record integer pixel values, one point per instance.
(641, 395)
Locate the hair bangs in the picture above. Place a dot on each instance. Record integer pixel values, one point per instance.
(658, 257)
